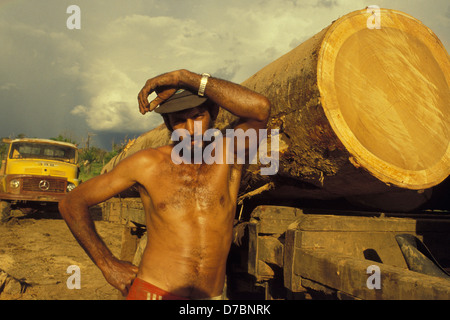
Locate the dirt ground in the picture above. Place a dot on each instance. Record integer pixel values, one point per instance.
(37, 249)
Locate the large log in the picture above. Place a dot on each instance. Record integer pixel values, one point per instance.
(361, 111)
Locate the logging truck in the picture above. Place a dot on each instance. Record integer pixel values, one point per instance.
(359, 206)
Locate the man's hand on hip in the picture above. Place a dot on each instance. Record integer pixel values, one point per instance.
(120, 274)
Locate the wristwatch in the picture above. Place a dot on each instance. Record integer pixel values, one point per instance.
(203, 82)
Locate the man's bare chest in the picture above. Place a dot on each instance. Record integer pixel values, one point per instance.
(186, 187)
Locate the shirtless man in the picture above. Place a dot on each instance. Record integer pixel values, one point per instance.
(189, 208)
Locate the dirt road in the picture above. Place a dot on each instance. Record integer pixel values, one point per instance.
(38, 249)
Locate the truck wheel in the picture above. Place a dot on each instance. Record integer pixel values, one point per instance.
(5, 211)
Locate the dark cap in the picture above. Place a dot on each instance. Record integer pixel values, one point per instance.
(181, 100)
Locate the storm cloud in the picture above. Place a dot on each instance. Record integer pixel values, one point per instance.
(54, 80)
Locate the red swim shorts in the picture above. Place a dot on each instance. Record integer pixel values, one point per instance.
(142, 290)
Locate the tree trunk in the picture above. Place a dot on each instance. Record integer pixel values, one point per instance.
(361, 111)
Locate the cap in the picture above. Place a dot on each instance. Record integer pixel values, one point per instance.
(181, 100)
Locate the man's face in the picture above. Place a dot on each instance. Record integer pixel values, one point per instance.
(196, 121)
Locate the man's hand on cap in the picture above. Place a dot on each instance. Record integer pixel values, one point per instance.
(164, 85)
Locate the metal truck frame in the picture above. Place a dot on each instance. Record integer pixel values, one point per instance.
(287, 252)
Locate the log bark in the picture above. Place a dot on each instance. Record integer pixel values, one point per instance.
(360, 111)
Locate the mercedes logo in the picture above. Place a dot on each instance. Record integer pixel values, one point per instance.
(44, 185)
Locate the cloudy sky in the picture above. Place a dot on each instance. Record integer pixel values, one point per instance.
(54, 80)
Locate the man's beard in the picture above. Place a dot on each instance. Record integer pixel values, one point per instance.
(193, 151)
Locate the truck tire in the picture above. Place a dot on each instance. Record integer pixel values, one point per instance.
(5, 211)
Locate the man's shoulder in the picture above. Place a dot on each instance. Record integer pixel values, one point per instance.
(165, 150)
(145, 158)
(152, 154)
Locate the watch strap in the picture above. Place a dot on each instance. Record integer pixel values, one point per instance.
(203, 82)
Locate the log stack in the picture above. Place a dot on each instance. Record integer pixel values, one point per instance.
(363, 113)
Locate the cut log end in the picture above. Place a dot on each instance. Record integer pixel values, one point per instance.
(386, 95)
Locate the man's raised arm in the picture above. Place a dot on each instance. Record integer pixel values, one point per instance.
(252, 108)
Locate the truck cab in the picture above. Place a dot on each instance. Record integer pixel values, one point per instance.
(37, 170)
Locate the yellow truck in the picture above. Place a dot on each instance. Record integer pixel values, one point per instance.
(36, 171)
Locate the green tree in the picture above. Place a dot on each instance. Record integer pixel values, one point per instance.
(3, 149)
(63, 138)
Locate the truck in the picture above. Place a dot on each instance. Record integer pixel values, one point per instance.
(359, 207)
(36, 172)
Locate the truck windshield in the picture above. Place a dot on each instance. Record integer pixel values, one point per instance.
(26, 150)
